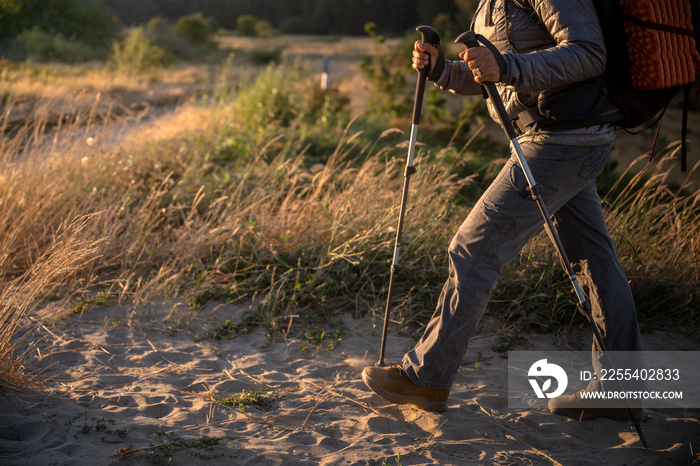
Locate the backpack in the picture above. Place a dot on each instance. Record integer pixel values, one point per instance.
(652, 49)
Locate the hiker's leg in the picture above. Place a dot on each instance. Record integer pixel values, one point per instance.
(493, 234)
(581, 225)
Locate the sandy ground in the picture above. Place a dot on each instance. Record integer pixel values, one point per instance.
(134, 385)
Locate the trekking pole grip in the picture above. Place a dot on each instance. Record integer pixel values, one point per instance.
(471, 40)
(429, 36)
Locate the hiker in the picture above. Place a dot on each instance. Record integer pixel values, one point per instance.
(559, 47)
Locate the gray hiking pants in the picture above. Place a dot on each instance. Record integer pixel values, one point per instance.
(496, 230)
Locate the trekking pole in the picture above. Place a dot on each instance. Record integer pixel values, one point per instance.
(428, 35)
(469, 39)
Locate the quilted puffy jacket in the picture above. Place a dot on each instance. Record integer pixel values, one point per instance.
(559, 46)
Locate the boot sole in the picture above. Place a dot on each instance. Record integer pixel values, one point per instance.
(418, 401)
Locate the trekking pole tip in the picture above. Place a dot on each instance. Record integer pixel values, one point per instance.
(640, 434)
(635, 423)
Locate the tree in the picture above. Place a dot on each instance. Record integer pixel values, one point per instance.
(81, 20)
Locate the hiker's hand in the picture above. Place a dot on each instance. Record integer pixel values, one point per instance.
(483, 64)
(422, 52)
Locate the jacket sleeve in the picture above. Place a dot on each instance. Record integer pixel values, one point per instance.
(575, 52)
(458, 79)
(578, 53)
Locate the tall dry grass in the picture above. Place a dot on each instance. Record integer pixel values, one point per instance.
(657, 226)
(66, 256)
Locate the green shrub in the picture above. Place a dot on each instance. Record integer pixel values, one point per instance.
(195, 28)
(246, 25)
(190, 38)
(264, 56)
(73, 51)
(38, 45)
(250, 26)
(264, 29)
(138, 52)
(274, 96)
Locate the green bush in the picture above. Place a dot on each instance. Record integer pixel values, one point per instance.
(264, 56)
(264, 29)
(38, 45)
(285, 96)
(190, 38)
(250, 26)
(246, 25)
(195, 28)
(138, 52)
(272, 97)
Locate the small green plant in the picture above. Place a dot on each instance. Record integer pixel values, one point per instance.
(229, 329)
(98, 425)
(320, 339)
(262, 398)
(82, 303)
(171, 442)
(398, 460)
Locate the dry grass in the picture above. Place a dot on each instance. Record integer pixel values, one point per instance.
(52, 94)
(657, 228)
(67, 255)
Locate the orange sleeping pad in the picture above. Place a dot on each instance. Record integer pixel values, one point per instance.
(660, 42)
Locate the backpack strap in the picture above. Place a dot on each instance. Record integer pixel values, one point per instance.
(659, 27)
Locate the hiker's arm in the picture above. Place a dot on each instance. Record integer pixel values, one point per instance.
(457, 78)
(578, 53)
(454, 76)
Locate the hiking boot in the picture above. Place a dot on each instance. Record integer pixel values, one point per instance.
(394, 385)
(583, 409)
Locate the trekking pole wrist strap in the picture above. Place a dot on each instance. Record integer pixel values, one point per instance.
(439, 65)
